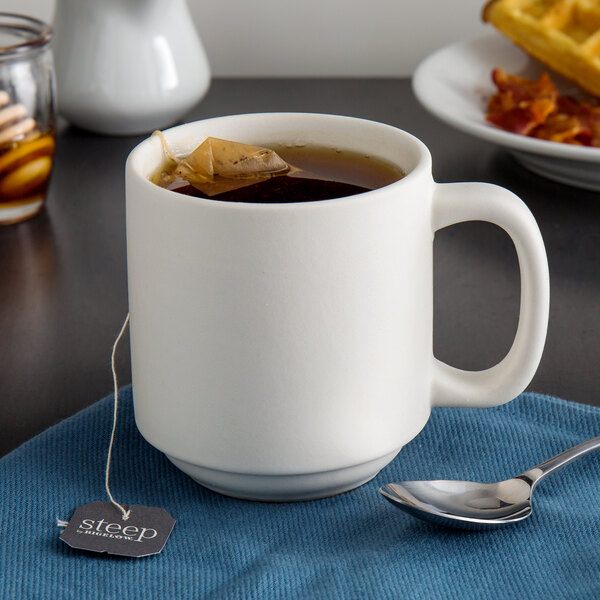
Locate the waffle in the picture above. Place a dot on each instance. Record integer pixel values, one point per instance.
(562, 34)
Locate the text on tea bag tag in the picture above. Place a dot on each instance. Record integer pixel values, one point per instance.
(100, 527)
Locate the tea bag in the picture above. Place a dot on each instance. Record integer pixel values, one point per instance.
(217, 166)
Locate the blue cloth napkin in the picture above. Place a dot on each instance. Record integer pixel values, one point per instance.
(355, 545)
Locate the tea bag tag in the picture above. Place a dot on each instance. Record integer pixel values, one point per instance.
(100, 527)
(113, 528)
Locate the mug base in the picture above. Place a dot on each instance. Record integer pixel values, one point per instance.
(284, 488)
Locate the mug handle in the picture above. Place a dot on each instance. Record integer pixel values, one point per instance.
(458, 202)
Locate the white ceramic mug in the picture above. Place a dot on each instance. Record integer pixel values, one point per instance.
(284, 351)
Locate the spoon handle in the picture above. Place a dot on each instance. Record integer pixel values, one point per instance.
(560, 460)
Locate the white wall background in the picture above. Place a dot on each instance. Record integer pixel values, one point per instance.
(316, 37)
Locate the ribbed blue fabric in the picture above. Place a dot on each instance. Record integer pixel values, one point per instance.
(355, 545)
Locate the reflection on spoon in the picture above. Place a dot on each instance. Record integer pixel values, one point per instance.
(472, 505)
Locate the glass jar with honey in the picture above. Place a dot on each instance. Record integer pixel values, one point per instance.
(27, 116)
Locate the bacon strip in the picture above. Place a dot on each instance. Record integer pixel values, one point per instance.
(535, 108)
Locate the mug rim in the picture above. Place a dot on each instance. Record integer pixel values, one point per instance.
(423, 165)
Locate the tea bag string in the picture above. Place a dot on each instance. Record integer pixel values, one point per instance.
(125, 513)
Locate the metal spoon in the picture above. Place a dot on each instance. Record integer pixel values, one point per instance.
(471, 505)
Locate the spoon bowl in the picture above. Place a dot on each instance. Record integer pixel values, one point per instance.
(472, 505)
(463, 503)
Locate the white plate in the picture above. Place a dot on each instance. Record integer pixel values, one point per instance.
(455, 83)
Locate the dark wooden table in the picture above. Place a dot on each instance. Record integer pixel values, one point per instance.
(63, 282)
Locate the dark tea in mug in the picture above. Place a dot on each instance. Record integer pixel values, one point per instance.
(326, 173)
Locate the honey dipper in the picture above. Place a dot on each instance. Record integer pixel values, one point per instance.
(14, 121)
(25, 158)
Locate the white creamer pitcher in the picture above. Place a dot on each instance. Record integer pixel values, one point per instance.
(127, 66)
